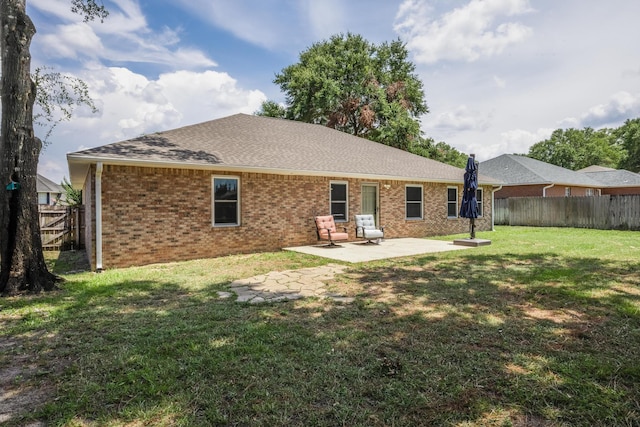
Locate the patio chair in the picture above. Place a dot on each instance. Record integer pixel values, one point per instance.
(326, 228)
(366, 229)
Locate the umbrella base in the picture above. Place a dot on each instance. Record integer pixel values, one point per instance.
(472, 242)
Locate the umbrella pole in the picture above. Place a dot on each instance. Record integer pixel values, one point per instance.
(473, 228)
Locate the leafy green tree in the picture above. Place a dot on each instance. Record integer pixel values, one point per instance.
(22, 266)
(72, 196)
(441, 151)
(576, 149)
(356, 87)
(271, 109)
(628, 137)
(56, 97)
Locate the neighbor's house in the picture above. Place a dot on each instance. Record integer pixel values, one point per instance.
(526, 177)
(49, 193)
(245, 184)
(616, 182)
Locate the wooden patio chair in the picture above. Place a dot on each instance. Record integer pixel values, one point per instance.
(326, 229)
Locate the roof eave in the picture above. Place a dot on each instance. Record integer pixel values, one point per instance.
(79, 165)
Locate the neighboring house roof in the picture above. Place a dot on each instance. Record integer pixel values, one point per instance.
(595, 168)
(262, 144)
(615, 178)
(520, 170)
(45, 185)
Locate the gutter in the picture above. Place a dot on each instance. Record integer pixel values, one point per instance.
(99, 217)
(544, 190)
(493, 206)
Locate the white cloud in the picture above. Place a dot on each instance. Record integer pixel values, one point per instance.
(132, 104)
(467, 33)
(621, 106)
(458, 120)
(326, 17)
(69, 40)
(123, 37)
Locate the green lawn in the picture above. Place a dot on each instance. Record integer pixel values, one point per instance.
(541, 328)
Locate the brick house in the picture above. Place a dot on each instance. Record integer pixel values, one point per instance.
(526, 177)
(616, 182)
(244, 184)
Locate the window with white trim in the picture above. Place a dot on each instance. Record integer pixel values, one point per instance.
(413, 202)
(567, 191)
(339, 205)
(225, 201)
(452, 202)
(479, 198)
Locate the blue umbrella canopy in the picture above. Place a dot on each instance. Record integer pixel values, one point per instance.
(469, 206)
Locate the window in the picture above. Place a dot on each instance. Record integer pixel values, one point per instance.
(339, 201)
(43, 198)
(590, 192)
(413, 201)
(452, 202)
(226, 201)
(567, 191)
(479, 198)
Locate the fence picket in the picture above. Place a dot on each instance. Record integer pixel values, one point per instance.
(603, 212)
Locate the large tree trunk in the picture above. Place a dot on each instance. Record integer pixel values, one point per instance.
(22, 266)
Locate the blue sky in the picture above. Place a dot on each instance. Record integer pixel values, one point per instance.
(499, 75)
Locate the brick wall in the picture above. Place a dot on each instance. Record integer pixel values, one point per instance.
(161, 215)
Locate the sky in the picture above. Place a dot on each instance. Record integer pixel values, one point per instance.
(498, 75)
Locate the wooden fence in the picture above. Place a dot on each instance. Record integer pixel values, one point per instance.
(60, 227)
(602, 212)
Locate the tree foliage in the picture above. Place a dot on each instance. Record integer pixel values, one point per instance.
(440, 151)
(579, 148)
(272, 109)
(57, 96)
(628, 137)
(356, 87)
(72, 196)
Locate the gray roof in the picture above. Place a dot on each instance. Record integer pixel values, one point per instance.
(262, 144)
(520, 170)
(595, 168)
(45, 185)
(615, 178)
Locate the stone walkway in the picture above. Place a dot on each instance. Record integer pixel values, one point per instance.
(288, 285)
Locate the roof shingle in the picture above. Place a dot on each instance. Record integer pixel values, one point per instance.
(254, 143)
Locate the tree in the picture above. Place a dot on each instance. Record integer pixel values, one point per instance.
(72, 196)
(356, 87)
(272, 109)
(628, 137)
(22, 266)
(442, 152)
(577, 149)
(56, 97)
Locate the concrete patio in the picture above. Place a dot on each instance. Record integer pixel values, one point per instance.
(389, 248)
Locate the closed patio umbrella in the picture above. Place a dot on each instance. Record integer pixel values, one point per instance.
(469, 206)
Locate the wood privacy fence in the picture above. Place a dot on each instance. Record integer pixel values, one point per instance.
(602, 212)
(60, 227)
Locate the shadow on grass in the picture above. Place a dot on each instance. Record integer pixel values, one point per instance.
(520, 340)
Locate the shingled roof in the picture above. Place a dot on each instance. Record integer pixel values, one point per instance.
(614, 178)
(262, 144)
(520, 170)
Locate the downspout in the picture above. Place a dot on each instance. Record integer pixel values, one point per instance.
(544, 190)
(493, 207)
(99, 217)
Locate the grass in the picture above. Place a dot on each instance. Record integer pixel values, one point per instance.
(541, 328)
